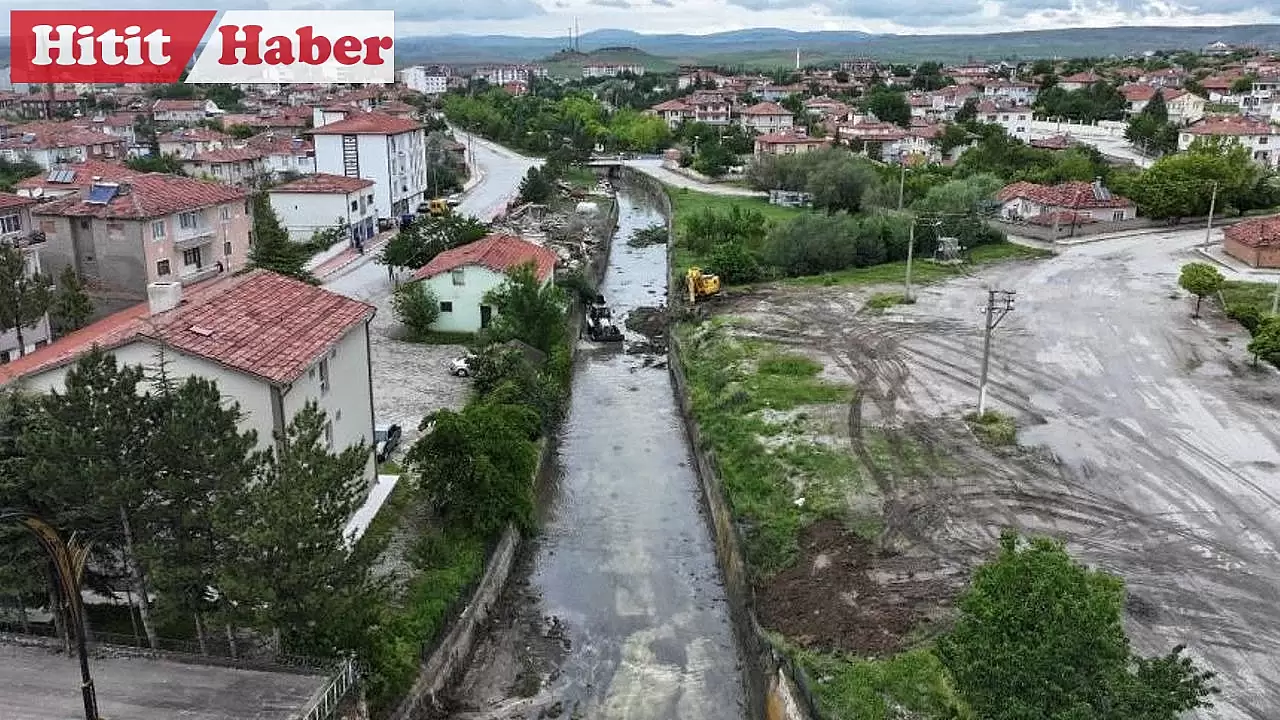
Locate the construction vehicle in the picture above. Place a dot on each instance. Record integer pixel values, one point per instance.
(599, 322)
(701, 285)
(435, 207)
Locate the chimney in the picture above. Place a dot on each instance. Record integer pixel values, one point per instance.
(164, 296)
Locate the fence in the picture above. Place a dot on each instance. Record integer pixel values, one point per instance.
(324, 706)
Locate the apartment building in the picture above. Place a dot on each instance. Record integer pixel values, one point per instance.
(388, 150)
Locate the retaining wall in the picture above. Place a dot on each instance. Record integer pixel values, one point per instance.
(775, 689)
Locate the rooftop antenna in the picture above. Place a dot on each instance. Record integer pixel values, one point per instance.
(577, 41)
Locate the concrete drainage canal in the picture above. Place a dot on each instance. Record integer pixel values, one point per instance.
(616, 610)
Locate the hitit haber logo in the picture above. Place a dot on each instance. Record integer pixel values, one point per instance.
(132, 46)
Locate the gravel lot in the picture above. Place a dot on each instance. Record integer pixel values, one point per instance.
(1150, 443)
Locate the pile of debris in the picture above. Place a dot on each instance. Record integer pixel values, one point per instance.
(651, 322)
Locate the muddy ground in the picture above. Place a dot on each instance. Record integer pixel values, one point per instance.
(1149, 444)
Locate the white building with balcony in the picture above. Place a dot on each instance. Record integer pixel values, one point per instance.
(426, 80)
(389, 150)
(16, 232)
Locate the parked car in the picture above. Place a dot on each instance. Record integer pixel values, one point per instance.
(386, 440)
(461, 367)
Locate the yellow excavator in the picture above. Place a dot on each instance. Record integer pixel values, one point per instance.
(701, 285)
(438, 207)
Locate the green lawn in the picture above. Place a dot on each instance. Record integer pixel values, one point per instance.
(1255, 294)
(911, 684)
(686, 202)
(923, 270)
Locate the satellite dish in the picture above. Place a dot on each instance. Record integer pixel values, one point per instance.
(38, 192)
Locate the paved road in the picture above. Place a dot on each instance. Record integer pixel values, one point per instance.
(623, 561)
(653, 168)
(1113, 146)
(410, 379)
(36, 684)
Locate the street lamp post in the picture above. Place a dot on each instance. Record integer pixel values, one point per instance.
(1213, 203)
(69, 557)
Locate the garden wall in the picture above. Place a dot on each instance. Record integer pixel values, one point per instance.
(775, 689)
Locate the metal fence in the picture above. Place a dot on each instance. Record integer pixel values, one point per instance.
(324, 706)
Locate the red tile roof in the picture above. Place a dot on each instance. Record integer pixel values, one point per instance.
(148, 196)
(368, 124)
(767, 109)
(670, 106)
(228, 155)
(1258, 233)
(1082, 77)
(50, 137)
(789, 139)
(1232, 125)
(258, 323)
(8, 201)
(82, 175)
(273, 143)
(196, 134)
(499, 253)
(324, 183)
(178, 105)
(1071, 195)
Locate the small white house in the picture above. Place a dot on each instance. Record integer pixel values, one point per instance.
(317, 202)
(270, 342)
(461, 277)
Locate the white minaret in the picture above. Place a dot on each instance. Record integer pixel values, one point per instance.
(797, 58)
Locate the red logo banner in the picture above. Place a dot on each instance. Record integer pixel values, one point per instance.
(104, 46)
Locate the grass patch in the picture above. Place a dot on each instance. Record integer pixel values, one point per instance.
(447, 338)
(734, 386)
(687, 202)
(390, 467)
(376, 537)
(923, 271)
(910, 684)
(1250, 294)
(883, 301)
(993, 427)
(582, 178)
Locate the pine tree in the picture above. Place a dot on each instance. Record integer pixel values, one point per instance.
(72, 306)
(272, 249)
(24, 296)
(200, 466)
(292, 572)
(22, 574)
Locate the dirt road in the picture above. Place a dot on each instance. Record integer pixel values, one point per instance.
(1158, 445)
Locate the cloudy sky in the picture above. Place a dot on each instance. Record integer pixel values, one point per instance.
(554, 17)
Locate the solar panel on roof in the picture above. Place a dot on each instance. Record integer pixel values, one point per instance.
(101, 194)
(61, 176)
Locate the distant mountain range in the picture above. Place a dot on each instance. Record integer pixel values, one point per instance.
(772, 47)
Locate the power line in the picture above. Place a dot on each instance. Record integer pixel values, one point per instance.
(999, 304)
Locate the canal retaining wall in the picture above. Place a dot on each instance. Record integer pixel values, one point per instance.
(448, 657)
(775, 688)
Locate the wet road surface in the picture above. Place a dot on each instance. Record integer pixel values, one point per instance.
(617, 609)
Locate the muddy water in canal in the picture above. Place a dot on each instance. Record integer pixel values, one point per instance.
(616, 610)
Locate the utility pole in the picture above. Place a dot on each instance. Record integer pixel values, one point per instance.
(999, 304)
(902, 183)
(1275, 299)
(1213, 203)
(911, 248)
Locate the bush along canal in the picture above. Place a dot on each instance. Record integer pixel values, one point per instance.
(616, 609)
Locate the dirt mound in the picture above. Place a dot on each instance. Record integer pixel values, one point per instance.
(652, 323)
(844, 594)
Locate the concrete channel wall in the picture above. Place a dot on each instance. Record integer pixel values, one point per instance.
(451, 654)
(773, 692)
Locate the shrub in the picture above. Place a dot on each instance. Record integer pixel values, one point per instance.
(735, 264)
(417, 307)
(1247, 315)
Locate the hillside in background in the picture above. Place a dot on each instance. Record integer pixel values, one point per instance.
(568, 64)
(771, 47)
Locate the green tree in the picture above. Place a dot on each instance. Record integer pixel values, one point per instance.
(1041, 637)
(1266, 341)
(928, 76)
(25, 296)
(840, 181)
(527, 309)
(968, 112)
(889, 106)
(157, 163)
(1200, 279)
(272, 249)
(23, 573)
(72, 307)
(713, 160)
(415, 246)
(292, 570)
(417, 308)
(200, 464)
(959, 196)
(536, 187)
(11, 172)
(475, 467)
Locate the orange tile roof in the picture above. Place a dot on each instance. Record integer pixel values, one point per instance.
(1233, 126)
(179, 105)
(324, 183)
(499, 253)
(52, 137)
(196, 134)
(369, 124)
(1072, 195)
(228, 155)
(150, 195)
(1257, 233)
(82, 175)
(259, 323)
(9, 200)
(767, 109)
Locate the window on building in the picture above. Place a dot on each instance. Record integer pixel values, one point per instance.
(324, 376)
(191, 258)
(188, 221)
(10, 224)
(355, 206)
(158, 230)
(459, 277)
(226, 212)
(162, 267)
(446, 306)
(1117, 215)
(5, 356)
(226, 248)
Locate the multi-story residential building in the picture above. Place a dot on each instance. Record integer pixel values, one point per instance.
(320, 201)
(271, 343)
(284, 153)
(503, 74)
(183, 112)
(1012, 92)
(690, 78)
(56, 143)
(72, 178)
(673, 111)
(790, 142)
(122, 236)
(766, 117)
(860, 67)
(234, 165)
(117, 124)
(44, 105)
(712, 108)
(387, 150)
(1184, 108)
(186, 143)
(598, 70)
(1259, 137)
(16, 232)
(1016, 120)
(1079, 81)
(426, 80)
